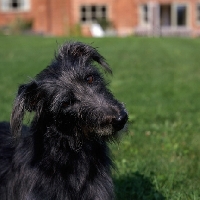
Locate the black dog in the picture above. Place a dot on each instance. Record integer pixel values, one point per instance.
(64, 153)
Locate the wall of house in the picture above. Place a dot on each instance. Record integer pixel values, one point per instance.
(125, 16)
(195, 25)
(60, 17)
(8, 18)
(52, 17)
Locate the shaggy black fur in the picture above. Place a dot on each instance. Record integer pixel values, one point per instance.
(64, 152)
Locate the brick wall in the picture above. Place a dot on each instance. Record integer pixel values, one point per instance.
(52, 17)
(125, 16)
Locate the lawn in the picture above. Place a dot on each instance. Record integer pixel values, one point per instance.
(158, 79)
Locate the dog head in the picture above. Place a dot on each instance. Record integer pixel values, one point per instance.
(70, 95)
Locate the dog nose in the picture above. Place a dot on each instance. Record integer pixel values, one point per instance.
(119, 122)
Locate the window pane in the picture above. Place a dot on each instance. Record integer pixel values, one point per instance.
(83, 9)
(145, 13)
(198, 13)
(181, 15)
(93, 9)
(103, 11)
(103, 8)
(83, 19)
(94, 13)
(15, 4)
(83, 13)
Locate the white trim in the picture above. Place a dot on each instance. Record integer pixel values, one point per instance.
(4, 5)
(174, 14)
(197, 15)
(7, 5)
(142, 15)
(27, 5)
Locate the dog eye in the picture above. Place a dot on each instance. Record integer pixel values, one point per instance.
(90, 79)
(65, 104)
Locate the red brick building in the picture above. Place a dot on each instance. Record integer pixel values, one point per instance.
(143, 17)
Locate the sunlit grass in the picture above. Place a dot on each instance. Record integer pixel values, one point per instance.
(158, 79)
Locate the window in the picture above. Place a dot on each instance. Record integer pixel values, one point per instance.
(93, 13)
(144, 14)
(198, 13)
(15, 5)
(181, 15)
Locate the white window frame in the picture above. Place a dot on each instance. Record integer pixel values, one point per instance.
(143, 15)
(7, 5)
(174, 13)
(198, 13)
(88, 13)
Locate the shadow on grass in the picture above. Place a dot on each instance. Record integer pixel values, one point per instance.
(136, 187)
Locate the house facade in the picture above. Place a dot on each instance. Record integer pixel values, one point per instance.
(165, 17)
(140, 17)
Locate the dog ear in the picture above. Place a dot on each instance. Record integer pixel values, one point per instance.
(26, 100)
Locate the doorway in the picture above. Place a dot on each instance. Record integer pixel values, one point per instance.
(165, 15)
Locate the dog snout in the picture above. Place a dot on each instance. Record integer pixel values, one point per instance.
(119, 121)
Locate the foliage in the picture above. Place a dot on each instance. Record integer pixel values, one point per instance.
(75, 30)
(158, 80)
(104, 23)
(18, 26)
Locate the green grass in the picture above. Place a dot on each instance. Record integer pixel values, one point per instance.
(158, 79)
